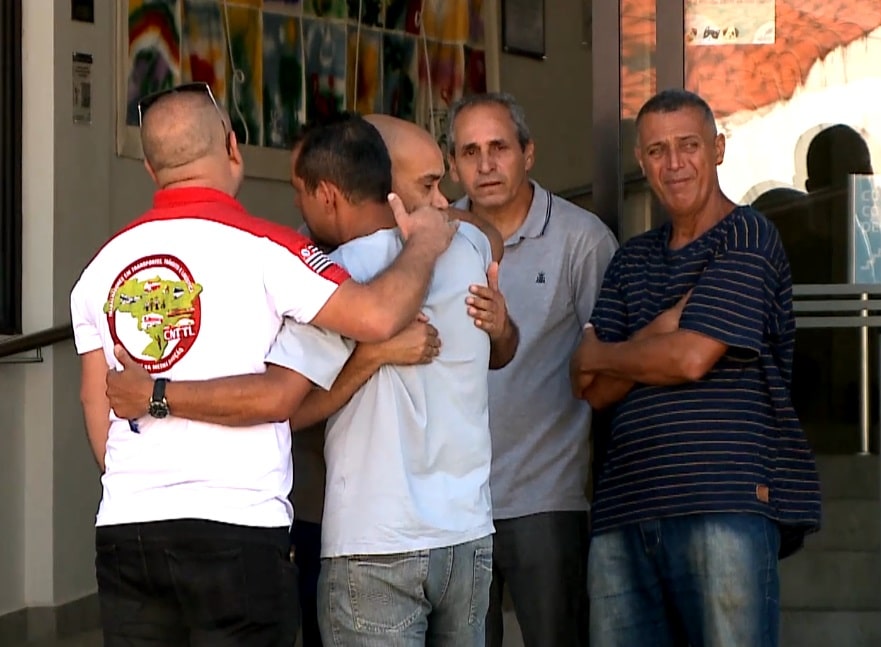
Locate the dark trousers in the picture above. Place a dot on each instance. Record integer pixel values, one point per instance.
(542, 559)
(194, 583)
(306, 539)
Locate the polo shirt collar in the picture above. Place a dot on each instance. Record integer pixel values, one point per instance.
(536, 218)
(181, 197)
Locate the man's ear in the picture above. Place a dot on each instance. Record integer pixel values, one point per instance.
(719, 145)
(234, 152)
(151, 173)
(529, 154)
(637, 153)
(454, 172)
(327, 195)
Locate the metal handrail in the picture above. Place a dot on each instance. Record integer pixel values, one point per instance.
(35, 340)
(823, 306)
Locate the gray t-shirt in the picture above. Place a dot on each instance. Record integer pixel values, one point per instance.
(550, 275)
(408, 457)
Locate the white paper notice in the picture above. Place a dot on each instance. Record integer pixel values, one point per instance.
(82, 88)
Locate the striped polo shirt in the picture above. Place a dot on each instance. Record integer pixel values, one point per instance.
(730, 442)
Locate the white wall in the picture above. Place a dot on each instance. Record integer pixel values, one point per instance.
(76, 193)
(11, 499)
(843, 88)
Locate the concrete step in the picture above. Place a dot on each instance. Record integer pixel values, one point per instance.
(813, 628)
(831, 580)
(850, 477)
(848, 524)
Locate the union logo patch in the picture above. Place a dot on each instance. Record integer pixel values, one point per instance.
(154, 311)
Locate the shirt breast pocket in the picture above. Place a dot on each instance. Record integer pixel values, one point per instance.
(534, 291)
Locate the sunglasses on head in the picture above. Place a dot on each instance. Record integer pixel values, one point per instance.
(198, 87)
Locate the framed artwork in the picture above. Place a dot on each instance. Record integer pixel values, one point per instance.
(277, 64)
(523, 27)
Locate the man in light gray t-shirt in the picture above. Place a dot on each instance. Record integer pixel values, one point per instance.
(555, 257)
(407, 523)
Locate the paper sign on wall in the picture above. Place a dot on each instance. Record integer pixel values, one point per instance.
(82, 88)
(729, 22)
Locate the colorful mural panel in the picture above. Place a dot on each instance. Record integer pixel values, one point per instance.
(277, 64)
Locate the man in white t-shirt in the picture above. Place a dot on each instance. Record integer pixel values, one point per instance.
(407, 516)
(192, 529)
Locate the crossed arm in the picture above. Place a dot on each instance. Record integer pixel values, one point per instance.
(660, 354)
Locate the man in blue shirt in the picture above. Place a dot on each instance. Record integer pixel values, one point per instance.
(707, 478)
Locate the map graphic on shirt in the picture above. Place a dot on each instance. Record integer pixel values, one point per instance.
(154, 311)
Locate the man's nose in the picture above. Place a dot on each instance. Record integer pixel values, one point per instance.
(674, 159)
(485, 162)
(439, 200)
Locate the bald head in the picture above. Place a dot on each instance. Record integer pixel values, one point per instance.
(182, 133)
(417, 161)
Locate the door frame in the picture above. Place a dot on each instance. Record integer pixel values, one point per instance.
(669, 62)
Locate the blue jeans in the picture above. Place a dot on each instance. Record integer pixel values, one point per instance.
(435, 597)
(702, 580)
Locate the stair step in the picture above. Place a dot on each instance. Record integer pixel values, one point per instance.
(850, 477)
(813, 628)
(848, 524)
(832, 580)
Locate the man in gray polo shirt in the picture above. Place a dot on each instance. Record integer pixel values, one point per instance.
(555, 257)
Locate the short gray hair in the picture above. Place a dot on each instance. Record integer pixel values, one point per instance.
(673, 100)
(503, 99)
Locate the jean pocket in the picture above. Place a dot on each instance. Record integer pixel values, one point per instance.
(480, 583)
(210, 585)
(385, 591)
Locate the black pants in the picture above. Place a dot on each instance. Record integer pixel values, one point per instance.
(194, 583)
(306, 538)
(542, 558)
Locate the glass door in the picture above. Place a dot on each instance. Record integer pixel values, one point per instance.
(794, 87)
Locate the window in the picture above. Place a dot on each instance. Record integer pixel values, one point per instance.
(10, 166)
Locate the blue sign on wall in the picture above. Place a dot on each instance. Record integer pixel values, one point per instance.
(865, 239)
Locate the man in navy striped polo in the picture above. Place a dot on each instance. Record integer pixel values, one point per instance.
(707, 478)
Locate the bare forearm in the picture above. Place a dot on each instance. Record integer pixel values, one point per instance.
(503, 349)
(605, 390)
(238, 401)
(661, 360)
(97, 419)
(96, 405)
(319, 404)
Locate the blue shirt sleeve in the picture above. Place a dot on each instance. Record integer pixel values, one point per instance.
(731, 301)
(609, 316)
(479, 241)
(317, 354)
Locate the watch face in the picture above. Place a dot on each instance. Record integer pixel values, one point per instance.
(158, 409)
